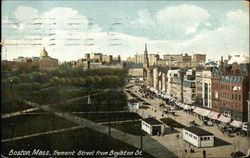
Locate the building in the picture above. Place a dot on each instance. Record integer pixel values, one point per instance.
(152, 126)
(133, 104)
(140, 59)
(198, 59)
(189, 89)
(172, 82)
(215, 81)
(198, 85)
(46, 63)
(198, 137)
(206, 88)
(98, 60)
(135, 72)
(233, 96)
(177, 60)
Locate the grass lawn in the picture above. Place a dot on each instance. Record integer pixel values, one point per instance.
(58, 94)
(13, 106)
(82, 139)
(106, 101)
(129, 127)
(30, 124)
(104, 117)
(170, 122)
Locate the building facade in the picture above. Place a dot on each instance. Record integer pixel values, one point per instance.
(233, 96)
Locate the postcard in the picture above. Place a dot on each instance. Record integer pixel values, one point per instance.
(125, 78)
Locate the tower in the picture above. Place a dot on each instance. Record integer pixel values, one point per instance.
(146, 62)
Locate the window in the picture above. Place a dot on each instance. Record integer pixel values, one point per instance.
(216, 95)
(232, 96)
(201, 138)
(239, 97)
(235, 96)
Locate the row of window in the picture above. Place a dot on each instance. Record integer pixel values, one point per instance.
(231, 104)
(190, 135)
(229, 87)
(205, 138)
(230, 96)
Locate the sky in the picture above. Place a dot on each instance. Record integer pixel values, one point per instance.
(69, 29)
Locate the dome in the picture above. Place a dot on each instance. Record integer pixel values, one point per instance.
(43, 53)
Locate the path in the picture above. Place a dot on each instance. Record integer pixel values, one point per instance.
(42, 133)
(149, 144)
(19, 112)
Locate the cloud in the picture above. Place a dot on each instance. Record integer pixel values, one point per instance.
(178, 19)
(231, 36)
(144, 19)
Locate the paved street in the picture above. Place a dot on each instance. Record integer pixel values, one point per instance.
(178, 146)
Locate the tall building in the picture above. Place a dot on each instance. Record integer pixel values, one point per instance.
(206, 88)
(233, 96)
(189, 89)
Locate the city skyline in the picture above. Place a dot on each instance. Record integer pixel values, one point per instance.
(116, 28)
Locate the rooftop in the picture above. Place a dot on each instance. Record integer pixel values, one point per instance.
(198, 131)
(132, 101)
(152, 121)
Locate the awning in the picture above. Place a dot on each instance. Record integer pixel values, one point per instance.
(197, 110)
(201, 111)
(187, 107)
(235, 123)
(224, 119)
(213, 115)
(193, 107)
(205, 112)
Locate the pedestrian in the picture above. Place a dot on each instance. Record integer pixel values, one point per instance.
(204, 153)
(177, 136)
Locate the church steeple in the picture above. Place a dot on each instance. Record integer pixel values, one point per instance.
(146, 62)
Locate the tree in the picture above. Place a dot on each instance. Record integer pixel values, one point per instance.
(14, 80)
(90, 81)
(39, 77)
(24, 77)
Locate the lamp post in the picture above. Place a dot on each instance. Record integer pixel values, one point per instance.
(141, 139)
(12, 132)
(11, 82)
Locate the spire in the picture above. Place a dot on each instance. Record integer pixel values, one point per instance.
(146, 62)
(44, 48)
